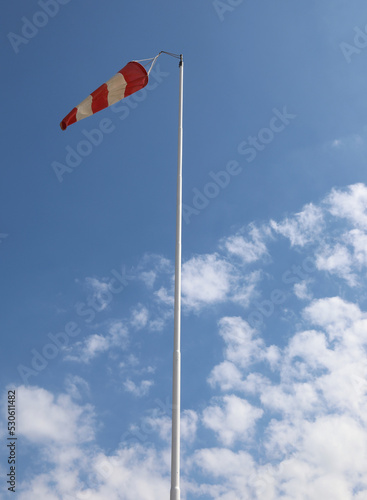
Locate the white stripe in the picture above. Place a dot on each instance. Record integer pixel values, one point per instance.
(84, 108)
(116, 88)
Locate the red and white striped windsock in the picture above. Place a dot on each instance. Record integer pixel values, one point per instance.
(128, 80)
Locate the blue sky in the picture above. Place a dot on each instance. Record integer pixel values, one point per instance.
(274, 296)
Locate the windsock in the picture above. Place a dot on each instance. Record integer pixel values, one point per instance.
(128, 80)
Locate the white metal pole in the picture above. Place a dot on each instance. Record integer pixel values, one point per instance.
(176, 382)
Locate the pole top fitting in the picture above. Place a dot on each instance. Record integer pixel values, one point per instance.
(181, 60)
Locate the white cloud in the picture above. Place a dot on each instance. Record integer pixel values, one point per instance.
(316, 412)
(162, 425)
(152, 267)
(138, 390)
(100, 292)
(189, 425)
(301, 290)
(43, 417)
(336, 143)
(306, 398)
(158, 323)
(358, 240)
(334, 314)
(312, 347)
(127, 474)
(131, 473)
(304, 227)
(298, 399)
(350, 204)
(76, 386)
(243, 345)
(139, 316)
(148, 277)
(39, 488)
(232, 476)
(118, 333)
(350, 141)
(343, 383)
(245, 290)
(206, 279)
(223, 462)
(164, 296)
(210, 279)
(337, 261)
(131, 361)
(249, 250)
(227, 376)
(232, 419)
(93, 345)
(337, 444)
(86, 350)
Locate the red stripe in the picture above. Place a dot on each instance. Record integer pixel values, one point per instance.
(100, 98)
(69, 119)
(136, 77)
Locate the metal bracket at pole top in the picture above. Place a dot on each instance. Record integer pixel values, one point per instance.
(177, 56)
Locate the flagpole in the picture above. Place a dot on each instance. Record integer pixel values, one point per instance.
(73, 117)
(176, 379)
